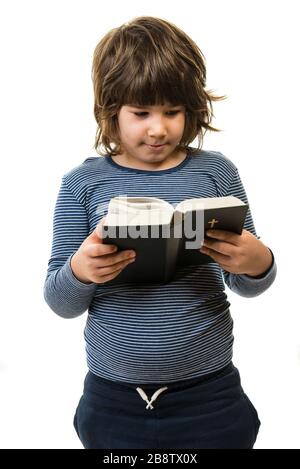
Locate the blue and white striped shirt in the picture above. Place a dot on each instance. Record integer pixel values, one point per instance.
(148, 333)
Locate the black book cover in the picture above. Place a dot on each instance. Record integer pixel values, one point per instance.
(226, 218)
(157, 255)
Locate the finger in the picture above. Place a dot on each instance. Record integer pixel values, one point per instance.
(110, 260)
(223, 235)
(219, 246)
(107, 270)
(107, 278)
(219, 258)
(97, 249)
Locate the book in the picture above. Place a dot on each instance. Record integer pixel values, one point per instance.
(166, 236)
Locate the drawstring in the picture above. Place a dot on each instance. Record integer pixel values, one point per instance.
(153, 398)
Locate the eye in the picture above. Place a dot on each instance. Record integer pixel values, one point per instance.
(172, 113)
(143, 114)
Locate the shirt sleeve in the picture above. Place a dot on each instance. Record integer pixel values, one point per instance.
(63, 292)
(243, 284)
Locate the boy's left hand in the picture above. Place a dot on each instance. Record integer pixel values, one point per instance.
(238, 254)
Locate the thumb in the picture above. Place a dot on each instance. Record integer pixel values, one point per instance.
(99, 229)
(96, 236)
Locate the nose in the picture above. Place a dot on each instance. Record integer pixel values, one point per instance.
(157, 128)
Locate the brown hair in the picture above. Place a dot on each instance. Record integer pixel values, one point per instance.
(149, 61)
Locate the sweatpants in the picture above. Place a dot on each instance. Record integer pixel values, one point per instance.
(210, 412)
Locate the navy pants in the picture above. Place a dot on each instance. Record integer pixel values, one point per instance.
(208, 412)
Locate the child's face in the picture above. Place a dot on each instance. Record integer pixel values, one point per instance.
(151, 125)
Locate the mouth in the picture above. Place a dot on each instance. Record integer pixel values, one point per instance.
(156, 146)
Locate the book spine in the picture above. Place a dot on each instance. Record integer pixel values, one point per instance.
(171, 254)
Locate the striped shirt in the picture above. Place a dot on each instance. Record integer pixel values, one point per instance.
(148, 333)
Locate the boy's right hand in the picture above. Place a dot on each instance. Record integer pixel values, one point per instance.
(95, 262)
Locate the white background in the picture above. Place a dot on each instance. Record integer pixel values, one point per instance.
(47, 128)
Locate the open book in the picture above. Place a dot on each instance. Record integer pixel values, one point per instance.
(164, 236)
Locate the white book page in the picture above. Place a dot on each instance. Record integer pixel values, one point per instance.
(131, 211)
(206, 203)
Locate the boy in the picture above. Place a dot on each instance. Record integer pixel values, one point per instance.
(167, 344)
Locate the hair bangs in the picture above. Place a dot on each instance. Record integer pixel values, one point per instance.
(150, 77)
